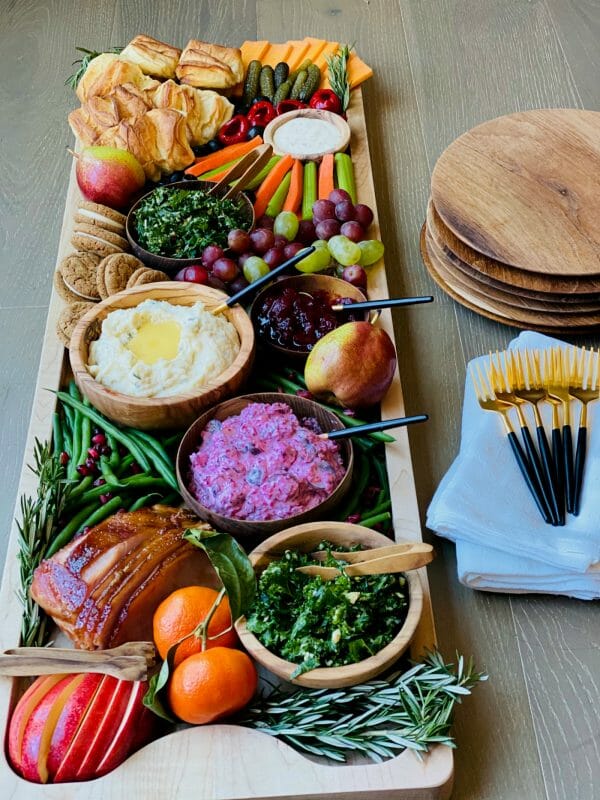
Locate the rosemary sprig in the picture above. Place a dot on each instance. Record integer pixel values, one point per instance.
(337, 69)
(378, 719)
(84, 61)
(37, 526)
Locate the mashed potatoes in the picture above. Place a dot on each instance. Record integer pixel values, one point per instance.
(158, 349)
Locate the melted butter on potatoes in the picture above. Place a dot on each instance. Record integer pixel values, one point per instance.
(158, 349)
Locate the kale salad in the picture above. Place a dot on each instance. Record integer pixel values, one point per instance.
(316, 623)
(180, 223)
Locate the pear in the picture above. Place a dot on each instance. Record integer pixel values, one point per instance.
(352, 365)
(108, 175)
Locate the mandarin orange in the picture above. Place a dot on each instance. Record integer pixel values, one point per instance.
(181, 612)
(211, 685)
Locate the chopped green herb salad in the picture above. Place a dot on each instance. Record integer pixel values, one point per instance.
(180, 223)
(317, 623)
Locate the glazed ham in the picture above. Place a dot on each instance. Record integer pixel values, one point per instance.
(102, 589)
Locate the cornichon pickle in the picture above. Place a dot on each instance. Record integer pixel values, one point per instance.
(267, 82)
(282, 92)
(280, 73)
(251, 84)
(311, 84)
(298, 84)
(304, 65)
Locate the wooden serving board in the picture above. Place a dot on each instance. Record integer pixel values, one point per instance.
(497, 274)
(226, 762)
(523, 189)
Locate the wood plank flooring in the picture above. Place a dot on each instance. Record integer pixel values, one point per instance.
(441, 66)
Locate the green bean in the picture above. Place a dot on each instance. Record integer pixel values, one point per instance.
(127, 484)
(69, 422)
(382, 475)
(169, 441)
(359, 484)
(93, 519)
(124, 465)
(157, 455)
(169, 499)
(74, 460)
(81, 487)
(57, 434)
(114, 451)
(370, 522)
(122, 438)
(108, 474)
(66, 534)
(380, 508)
(142, 501)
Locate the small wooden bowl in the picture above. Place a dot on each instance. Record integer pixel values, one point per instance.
(260, 528)
(305, 538)
(304, 283)
(165, 263)
(149, 413)
(339, 123)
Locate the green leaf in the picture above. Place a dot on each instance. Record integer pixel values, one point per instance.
(231, 564)
(157, 682)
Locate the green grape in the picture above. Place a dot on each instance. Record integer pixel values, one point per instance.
(371, 251)
(320, 244)
(286, 224)
(317, 261)
(343, 250)
(254, 268)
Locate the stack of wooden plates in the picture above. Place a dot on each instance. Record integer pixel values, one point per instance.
(513, 222)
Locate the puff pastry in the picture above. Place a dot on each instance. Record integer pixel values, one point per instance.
(106, 72)
(152, 57)
(211, 66)
(205, 110)
(125, 102)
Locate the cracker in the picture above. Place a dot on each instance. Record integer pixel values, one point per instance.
(100, 281)
(93, 239)
(118, 269)
(98, 222)
(62, 290)
(150, 276)
(79, 275)
(132, 280)
(102, 211)
(68, 319)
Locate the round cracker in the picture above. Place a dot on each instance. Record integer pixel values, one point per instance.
(68, 319)
(118, 269)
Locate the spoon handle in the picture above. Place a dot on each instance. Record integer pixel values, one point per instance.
(393, 302)
(371, 427)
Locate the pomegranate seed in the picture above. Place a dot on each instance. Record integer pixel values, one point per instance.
(305, 393)
(104, 498)
(90, 464)
(135, 468)
(83, 470)
(99, 482)
(371, 493)
(93, 453)
(105, 450)
(99, 438)
(353, 519)
(64, 458)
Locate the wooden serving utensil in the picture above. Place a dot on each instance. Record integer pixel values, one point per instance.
(390, 302)
(417, 556)
(372, 427)
(130, 661)
(355, 556)
(243, 172)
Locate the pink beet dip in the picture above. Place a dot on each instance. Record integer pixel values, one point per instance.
(264, 464)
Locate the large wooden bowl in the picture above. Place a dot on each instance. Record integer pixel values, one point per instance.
(258, 529)
(304, 283)
(160, 412)
(166, 263)
(305, 538)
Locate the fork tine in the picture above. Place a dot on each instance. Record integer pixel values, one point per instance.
(476, 387)
(487, 392)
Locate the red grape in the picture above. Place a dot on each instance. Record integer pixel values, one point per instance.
(262, 240)
(306, 231)
(216, 283)
(290, 250)
(238, 240)
(339, 195)
(225, 269)
(274, 257)
(323, 209)
(327, 228)
(344, 211)
(355, 275)
(243, 258)
(210, 254)
(364, 215)
(265, 222)
(353, 230)
(238, 284)
(194, 274)
(280, 241)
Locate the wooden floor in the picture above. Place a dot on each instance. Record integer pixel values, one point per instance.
(441, 66)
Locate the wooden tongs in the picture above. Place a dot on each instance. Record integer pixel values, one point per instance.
(379, 561)
(129, 662)
(243, 172)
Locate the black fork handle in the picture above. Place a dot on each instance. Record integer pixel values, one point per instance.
(521, 460)
(556, 497)
(558, 457)
(579, 464)
(537, 475)
(568, 460)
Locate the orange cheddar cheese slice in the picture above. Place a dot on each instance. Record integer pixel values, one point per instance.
(277, 53)
(252, 51)
(297, 54)
(316, 47)
(329, 50)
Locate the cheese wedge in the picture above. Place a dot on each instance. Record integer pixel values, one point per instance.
(277, 53)
(252, 51)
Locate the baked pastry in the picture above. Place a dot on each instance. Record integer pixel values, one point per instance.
(99, 113)
(106, 72)
(205, 111)
(158, 139)
(152, 57)
(211, 66)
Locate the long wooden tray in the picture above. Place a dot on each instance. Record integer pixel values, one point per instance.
(225, 762)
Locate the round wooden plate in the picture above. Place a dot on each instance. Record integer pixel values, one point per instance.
(483, 307)
(523, 189)
(517, 301)
(508, 278)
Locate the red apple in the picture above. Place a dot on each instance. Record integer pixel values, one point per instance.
(21, 715)
(353, 365)
(108, 175)
(137, 722)
(76, 707)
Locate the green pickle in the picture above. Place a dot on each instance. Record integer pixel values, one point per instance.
(267, 82)
(251, 84)
(280, 73)
(298, 84)
(282, 92)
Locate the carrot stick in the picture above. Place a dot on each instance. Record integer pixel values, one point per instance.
(213, 160)
(294, 195)
(269, 186)
(217, 173)
(326, 177)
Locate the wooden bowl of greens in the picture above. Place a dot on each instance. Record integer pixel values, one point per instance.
(359, 625)
(169, 227)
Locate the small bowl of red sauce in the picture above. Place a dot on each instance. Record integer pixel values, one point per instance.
(292, 314)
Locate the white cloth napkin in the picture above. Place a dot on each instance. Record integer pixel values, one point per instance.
(483, 501)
